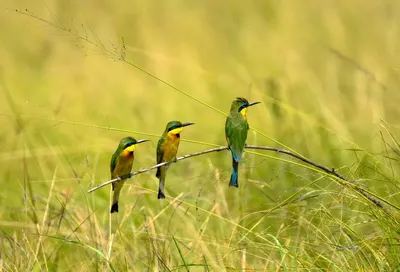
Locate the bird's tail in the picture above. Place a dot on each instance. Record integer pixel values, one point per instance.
(234, 175)
(161, 173)
(114, 207)
(117, 189)
(158, 174)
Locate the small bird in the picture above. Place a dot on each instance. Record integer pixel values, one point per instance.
(167, 148)
(236, 128)
(121, 164)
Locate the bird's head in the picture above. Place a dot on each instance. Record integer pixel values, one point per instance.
(241, 104)
(176, 127)
(128, 144)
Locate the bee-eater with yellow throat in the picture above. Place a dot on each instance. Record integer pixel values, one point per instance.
(236, 128)
(121, 164)
(166, 150)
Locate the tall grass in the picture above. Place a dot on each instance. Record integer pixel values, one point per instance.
(326, 72)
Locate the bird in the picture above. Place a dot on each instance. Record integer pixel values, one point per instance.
(236, 127)
(121, 164)
(167, 148)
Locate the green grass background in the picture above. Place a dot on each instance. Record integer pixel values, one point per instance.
(327, 74)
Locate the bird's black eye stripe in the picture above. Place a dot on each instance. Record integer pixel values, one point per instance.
(128, 145)
(244, 105)
(173, 127)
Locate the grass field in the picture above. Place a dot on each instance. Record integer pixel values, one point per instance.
(77, 76)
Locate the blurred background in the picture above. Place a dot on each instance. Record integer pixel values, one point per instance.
(77, 76)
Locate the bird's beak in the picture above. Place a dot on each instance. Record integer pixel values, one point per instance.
(253, 103)
(187, 124)
(141, 141)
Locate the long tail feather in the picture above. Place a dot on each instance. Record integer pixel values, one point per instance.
(161, 194)
(117, 186)
(161, 173)
(114, 207)
(234, 176)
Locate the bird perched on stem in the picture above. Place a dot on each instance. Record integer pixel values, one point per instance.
(166, 150)
(121, 164)
(236, 128)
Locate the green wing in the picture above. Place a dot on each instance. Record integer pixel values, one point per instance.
(236, 129)
(160, 152)
(160, 155)
(113, 162)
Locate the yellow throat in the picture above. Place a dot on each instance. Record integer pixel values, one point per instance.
(129, 149)
(176, 131)
(243, 112)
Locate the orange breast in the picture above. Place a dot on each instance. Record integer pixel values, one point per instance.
(170, 147)
(124, 165)
(128, 154)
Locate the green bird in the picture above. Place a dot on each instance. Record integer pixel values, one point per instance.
(167, 148)
(121, 164)
(236, 128)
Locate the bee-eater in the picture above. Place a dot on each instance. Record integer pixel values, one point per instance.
(121, 164)
(236, 128)
(167, 148)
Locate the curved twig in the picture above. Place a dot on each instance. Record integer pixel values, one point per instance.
(330, 171)
(217, 149)
(321, 167)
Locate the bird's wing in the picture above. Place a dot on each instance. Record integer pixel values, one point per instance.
(160, 152)
(236, 135)
(228, 129)
(113, 163)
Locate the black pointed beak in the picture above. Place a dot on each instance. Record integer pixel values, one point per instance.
(253, 103)
(142, 141)
(187, 124)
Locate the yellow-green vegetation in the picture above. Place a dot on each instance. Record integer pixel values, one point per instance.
(328, 76)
